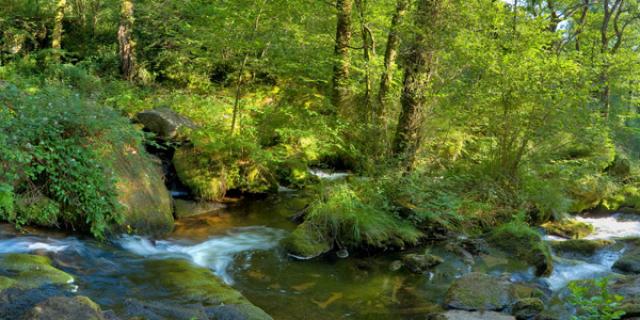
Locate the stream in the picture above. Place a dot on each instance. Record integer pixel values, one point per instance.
(241, 246)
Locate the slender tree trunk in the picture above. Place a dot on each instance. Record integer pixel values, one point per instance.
(56, 38)
(367, 51)
(125, 41)
(609, 12)
(391, 54)
(417, 79)
(342, 55)
(581, 21)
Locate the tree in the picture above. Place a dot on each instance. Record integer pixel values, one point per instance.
(342, 55)
(418, 71)
(56, 40)
(125, 41)
(391, 53)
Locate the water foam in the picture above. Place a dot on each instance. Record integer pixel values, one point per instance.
(324, 175)
(30, 244)
(612, 227)
(217, 253)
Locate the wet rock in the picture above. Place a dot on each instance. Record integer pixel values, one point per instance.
(580, 246)
(570, 229)
(31, 271)
(182, 283)
(395, 265)
(629, 263)
(478, 291)
(146, 202)
(14, 302)
(526, 244)
(64, 308)
(307, 242)
(186, 208)
(150, 310)
(526, 309)
(629, 288)
(476, 315)
(164, 122)
(206, 177)
(419, 263)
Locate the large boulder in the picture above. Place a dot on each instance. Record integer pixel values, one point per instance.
(65, 308)
(145, 200)
(205, 177)
(164, 122)
(580, 246)
(478, 291)
(630, 261)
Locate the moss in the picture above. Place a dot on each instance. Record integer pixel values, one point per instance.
(570, 229)
(477, 291)
(528, 308)
(31, 271)
(144, 198)
(580, 246)
(65, 308)
(188, 284)
(207, 178)
(524, 242)
(6, 283)
(307, 242)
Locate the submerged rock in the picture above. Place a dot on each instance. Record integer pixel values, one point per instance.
(475, 315)
(186, 208)
(419, 263)
(478, 291)
(307, 242)
(30, 272)
(580, 246)
(164, 122)
(570, 229)
(64, 308)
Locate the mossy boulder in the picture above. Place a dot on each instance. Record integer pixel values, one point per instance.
(478, 291)
(6, 283)
(144, 198)
(206, 177)
(570, 229)
(182, 282)
(27, 271)
(580, 246)
(526, 244)
(307, 242)
(164, 122)
(526, 309)
(629, 263)
(419, 263)
(65, 308)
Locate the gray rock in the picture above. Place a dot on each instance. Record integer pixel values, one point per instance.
(164, 122)
(476, 315)
(529, 308)
(419, 263)
(478, 291)
(65, 308)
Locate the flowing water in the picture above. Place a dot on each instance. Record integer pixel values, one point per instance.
(241, 246)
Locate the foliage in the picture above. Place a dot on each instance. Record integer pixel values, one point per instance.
(593, 301)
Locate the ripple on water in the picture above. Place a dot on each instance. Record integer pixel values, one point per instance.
(217, 253)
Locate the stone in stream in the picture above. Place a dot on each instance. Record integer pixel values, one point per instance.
(307, 242)
(419, 263)
(569, 229)
(27, 271)
(65, 308)
(580, 246)
(630, 261)
(528, 308)
(186, 208)
(475, 315)
(164, 122)
(478, 291)
(525, 244)
(629, 288)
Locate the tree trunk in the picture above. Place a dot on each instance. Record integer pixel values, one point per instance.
(342, 56)
(56, 38)
(391, 53)
(417, 79)
(367, 51)
(125, 41)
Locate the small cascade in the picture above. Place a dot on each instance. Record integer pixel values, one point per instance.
(326, 175)
(217, 253)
